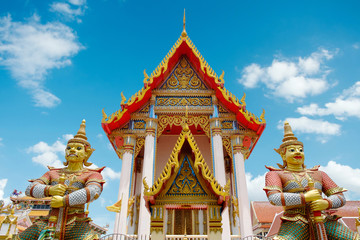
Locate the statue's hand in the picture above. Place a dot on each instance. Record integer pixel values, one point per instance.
(57, 190)
(57, 202)
(312, 195)
(319, 205)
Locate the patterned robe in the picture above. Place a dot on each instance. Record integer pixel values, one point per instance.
(82, 187)
(287, 188)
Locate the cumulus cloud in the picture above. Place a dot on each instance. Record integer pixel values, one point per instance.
(292, 80)
(50, 155)
(108, 173)
(30, 49)
(322, 128)
(3, 183)
(70, 9)
(351, 182)
(255, 187)
(346, 105)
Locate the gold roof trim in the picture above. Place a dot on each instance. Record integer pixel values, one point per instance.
(173, 162)
(163, 66)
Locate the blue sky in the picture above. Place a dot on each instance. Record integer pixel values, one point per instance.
(65, 60)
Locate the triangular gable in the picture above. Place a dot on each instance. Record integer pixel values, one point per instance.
(186, 181)
(199, 166)
(183, 47)
(183, 77)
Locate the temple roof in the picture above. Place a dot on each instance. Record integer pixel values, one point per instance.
(183, 46)
(200, 167)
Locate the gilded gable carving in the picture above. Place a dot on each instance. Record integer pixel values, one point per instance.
(186, 181)
(183, 78)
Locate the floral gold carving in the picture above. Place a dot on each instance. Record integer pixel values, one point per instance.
(183, 101)
(139, 125)
(227, 145)
(186, 182)
(139, 145)
(235, 211)
(184, 77)
(164, 121)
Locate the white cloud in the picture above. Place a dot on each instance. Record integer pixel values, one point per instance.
(255, 187)
(289, 79)
(1, 142)
(108, 173)
(3, 183)
(70, 9)
(30, 49)
(356, 46)
(323, 128)
(352, 180)
(346, 105)
(49, 155)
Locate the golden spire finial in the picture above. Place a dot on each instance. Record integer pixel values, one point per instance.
(184, 34)
(80, 137)
(289, 138)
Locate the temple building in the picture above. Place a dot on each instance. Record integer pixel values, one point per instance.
(23, 211)
(183, 140)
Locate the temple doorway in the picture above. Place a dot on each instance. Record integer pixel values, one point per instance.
(182, 217)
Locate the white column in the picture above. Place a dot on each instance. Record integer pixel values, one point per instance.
(241, 188)
(219, 169)
(148, 173)
(201, 222)
(124, 187)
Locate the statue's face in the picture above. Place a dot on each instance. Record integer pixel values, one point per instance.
(294, 155)
(75, 152)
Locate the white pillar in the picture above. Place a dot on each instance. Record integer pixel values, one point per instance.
(241, 188)
(148, 173)
(219, 169)
(124, 186)
(201, 222)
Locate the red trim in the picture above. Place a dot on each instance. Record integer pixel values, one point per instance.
(183, 49)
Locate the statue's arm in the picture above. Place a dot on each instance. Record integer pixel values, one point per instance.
(91, 191)
(275, 194)
(39, 188)
(334, 193)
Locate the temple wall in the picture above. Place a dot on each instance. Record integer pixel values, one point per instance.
(166, 144)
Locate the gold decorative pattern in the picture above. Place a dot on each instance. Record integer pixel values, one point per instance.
(227, 125)
(183, 77)
(145, 109)
(227, 144)
(183, 101)
(139, 125)
(130, 211)
(164, 121)
(204, 67)
(235, 211)
(173, 163)
(186, 182)
(222, 109)
(138, 146)
(335, 190)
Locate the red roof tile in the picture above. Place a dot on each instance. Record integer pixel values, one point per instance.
(264, 211)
